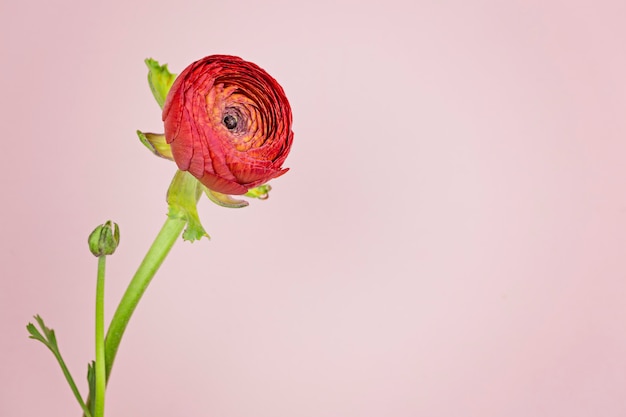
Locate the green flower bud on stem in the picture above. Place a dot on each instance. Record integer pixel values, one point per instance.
(104, 239)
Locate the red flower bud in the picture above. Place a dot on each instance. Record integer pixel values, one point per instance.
(228, 123)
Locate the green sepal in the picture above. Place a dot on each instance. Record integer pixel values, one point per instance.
(261, 192)
(160, 80)
(157, 144)
(182, 199)
(224, 200)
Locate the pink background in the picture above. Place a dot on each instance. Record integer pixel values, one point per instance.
(451, 240)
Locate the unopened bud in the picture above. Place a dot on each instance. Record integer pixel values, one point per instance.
(104, 239)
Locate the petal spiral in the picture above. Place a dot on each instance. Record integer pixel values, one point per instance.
(228, 123)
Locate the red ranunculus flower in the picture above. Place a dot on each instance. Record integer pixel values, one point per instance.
(228, 123)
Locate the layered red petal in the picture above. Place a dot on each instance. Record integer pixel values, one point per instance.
(228, 123)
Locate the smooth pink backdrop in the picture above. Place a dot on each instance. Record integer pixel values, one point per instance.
(450, 241)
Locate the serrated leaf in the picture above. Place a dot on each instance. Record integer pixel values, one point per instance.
(47, 338)
(160, 80)
(34, 333)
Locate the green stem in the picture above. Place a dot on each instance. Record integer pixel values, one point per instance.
(100, 360)
(161, 246)
(70, 381)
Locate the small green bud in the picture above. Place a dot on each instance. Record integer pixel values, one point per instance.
(104, 239)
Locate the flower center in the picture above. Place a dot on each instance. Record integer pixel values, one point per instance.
(230, 121)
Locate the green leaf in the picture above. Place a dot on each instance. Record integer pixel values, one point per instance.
(182, 198)
(47, 337)
(91, 376)
(160, 80)
(91, 380)
(35, 334)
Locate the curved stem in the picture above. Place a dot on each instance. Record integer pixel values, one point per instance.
(100, 361)
(161, 246)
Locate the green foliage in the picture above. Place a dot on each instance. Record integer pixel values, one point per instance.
(91, 380)
(160, 80)
(48, 338)
(182, 199)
